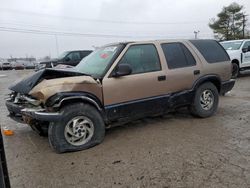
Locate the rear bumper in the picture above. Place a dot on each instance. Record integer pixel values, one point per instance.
(227, 86)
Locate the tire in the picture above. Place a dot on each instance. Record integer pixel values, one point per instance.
(235, 71)
(199, 108)
(61, 139)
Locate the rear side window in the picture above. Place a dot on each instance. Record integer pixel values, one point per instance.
(211, 50)
(177, 55)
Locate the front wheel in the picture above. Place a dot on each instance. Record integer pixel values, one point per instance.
(235, 71)
(81, 127)
(205, 101)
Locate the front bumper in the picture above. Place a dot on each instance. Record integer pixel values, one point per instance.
(227, 86)
(14, 108)
(41, 114)
(32, 113)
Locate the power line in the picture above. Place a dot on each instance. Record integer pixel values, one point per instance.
(34, 31)
(100, 20)
(65, 33)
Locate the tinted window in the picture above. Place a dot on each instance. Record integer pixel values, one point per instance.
(177, 55)
(85, 53)
(142, 58)
(211, 50)
(74, 56)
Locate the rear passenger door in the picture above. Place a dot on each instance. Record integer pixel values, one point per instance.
(142, 91)
(183, 68)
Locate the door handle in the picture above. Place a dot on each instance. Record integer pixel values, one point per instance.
(161, 78)
(197, 72)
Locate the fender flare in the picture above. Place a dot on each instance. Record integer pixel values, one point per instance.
(58, 99)
(215, 79)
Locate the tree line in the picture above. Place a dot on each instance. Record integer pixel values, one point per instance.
(231, 23)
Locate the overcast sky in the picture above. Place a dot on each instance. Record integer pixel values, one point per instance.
(79, 24)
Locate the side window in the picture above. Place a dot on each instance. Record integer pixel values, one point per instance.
(246, 44)
(177, 55)
(142, 58)
(74, 56)
(85, 53)
(211, 50)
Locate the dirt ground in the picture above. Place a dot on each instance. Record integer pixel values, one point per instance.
(176, 150)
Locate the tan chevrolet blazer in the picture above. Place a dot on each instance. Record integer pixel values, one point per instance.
(118, 83)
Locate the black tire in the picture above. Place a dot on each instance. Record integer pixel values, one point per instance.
(196, 108)
(235, 71)
(56, 133)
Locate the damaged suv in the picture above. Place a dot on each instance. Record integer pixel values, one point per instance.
(119, 83)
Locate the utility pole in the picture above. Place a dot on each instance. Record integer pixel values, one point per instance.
(243, 25)
(57, 51)
(196, 34)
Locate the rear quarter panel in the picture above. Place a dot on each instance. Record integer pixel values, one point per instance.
(222, 69)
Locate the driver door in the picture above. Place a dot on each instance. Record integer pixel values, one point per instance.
(142, 91)
(246, 55)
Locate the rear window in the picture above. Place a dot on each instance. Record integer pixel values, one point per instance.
(211, 50)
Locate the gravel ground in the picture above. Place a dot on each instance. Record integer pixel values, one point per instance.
(176, 150)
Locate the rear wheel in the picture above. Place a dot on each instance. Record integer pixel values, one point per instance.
(206, 100)
(81, 127)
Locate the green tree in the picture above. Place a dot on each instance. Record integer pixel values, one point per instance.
(230, 24)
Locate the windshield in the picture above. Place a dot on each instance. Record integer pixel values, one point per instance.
(63, 55)
(232, 45)
(96, 63)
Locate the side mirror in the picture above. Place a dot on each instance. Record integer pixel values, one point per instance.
(67, 59)
(122, 70)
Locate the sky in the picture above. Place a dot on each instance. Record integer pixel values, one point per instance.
(49, 27)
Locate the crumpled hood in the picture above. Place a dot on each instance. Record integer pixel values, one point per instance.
(26, 85)
(48, 88)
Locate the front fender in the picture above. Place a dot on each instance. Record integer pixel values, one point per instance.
(57, 100)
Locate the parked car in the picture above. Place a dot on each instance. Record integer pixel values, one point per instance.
(71, 58)
(6, 66)
(17, 66)
(29, 65)
(239, 52)
(119, 83)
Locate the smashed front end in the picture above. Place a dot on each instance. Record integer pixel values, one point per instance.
(27, 108)
(30, 99)
(19, 105)
(25, 105)
(16, 102)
